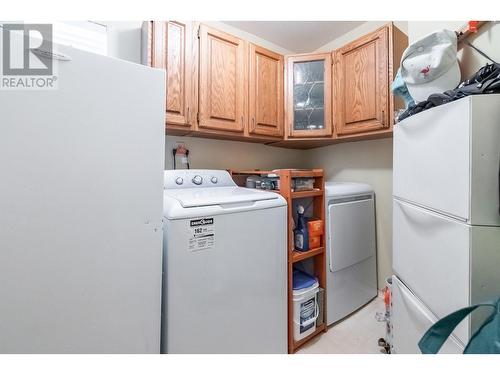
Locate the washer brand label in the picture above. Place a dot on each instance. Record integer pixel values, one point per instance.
(202, 234)
(197, 223)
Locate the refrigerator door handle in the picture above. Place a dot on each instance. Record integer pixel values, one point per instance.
(51, 55)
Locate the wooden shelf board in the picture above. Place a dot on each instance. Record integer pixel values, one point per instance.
(300, 256)
(307, 193)
(258, 172)
(297, 344)
(293, 172)
(307, 173)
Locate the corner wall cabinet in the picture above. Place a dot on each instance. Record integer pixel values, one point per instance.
(221, 86)
(308, 99)
(363, 73)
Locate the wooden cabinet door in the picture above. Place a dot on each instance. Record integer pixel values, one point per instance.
(223, 81)
(172, 50)
(361, 85)
(308, 95)
(266, 92)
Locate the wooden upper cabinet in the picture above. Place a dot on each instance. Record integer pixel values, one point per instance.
(308, 95)
(178, 66)
(223, 81)
(172, 49)
(218, 85)
(265, 92)
(361, 84)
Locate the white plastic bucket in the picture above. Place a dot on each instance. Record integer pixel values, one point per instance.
(305, 311)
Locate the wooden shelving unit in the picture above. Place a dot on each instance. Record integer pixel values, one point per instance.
(317, 255)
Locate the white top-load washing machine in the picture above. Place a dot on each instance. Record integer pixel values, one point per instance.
(225, 266)
(351, 248)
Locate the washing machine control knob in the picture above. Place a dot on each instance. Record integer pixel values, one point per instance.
(197, 180)
(214, 180)
(179, 181)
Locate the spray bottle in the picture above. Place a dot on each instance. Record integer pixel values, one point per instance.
(301, 234)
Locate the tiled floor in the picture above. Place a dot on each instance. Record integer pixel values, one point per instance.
(357, 334)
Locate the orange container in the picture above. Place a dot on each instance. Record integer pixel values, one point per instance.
(314, 242)
(315, 227)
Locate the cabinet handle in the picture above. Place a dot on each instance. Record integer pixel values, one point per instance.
(242, 120)
(187, 117)
(253, 121)
(383, 119)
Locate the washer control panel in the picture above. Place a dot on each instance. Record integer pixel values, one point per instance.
(196, 178)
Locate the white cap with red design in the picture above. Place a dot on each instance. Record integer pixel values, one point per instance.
(429, 65)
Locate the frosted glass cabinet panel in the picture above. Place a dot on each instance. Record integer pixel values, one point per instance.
(309, 95)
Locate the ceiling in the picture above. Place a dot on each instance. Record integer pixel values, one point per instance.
(297, 36)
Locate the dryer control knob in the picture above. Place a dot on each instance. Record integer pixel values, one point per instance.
(214, 180)
(197, 180)
(179, 181)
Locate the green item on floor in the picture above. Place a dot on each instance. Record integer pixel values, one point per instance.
(486, 340)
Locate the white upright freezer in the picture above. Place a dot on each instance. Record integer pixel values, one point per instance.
(446, 221)
(81, 171)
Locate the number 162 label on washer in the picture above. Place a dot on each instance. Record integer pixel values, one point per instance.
(202, 234)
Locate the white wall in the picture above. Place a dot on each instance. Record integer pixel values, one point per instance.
(215, 154)
(124, 39)
(487, 39)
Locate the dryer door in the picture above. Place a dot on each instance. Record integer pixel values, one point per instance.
(351, 232)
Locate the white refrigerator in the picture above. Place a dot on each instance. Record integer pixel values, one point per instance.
(446, 222)
(81, 187)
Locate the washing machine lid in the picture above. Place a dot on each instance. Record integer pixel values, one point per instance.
(346, 189)
(197, 197)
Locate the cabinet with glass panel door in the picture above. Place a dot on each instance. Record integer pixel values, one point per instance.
(308, 95)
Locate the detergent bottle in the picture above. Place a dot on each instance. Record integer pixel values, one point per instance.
(301, 235)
